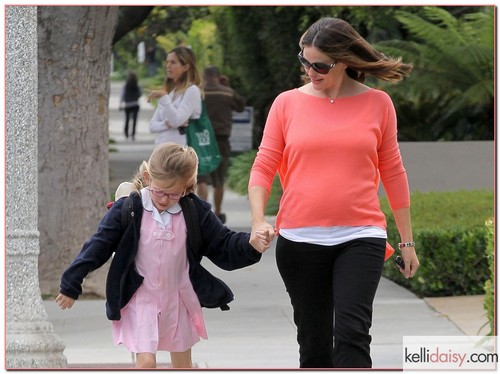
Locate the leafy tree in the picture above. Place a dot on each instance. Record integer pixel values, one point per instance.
(129, 18)
(261, 44)
(201, 37)
(168, 25)
(256, 47)
(450, 94)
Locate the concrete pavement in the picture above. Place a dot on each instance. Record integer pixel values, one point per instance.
(258, 332)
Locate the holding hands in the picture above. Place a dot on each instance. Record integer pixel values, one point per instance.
(262, 236)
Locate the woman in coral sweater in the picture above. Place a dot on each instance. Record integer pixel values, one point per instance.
(332, 141)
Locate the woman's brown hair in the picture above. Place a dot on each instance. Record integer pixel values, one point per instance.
(191, 76)
(338, 39)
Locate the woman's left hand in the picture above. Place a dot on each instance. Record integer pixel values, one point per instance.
(411, 262)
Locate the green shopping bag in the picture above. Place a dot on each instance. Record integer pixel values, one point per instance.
(200, 135)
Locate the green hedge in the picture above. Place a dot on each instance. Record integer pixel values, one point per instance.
(489, 286)
(451, 236)
(239, 173)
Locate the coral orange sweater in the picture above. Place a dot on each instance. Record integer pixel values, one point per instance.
(330, 159)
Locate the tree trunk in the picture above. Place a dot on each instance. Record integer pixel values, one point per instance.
(74, 51)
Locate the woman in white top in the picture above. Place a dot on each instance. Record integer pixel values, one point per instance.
(180, 100)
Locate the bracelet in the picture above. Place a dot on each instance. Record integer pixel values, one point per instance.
(407, 244)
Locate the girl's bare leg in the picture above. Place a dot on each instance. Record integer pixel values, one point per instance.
(145, 360)
(181, 359)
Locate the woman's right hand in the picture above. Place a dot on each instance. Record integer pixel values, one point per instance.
(64, 301)
(261, 236)
(262, 232)
(156, 94)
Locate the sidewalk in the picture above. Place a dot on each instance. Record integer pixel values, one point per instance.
(258, 332)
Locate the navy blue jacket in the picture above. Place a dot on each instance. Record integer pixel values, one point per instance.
(227, 249)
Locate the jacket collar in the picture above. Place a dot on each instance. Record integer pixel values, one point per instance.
(160, 217)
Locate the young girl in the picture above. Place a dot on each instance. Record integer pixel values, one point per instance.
(149, 289)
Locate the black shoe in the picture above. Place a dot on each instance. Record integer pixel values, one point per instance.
(222, 217)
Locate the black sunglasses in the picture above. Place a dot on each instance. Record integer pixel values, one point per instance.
(318, 67)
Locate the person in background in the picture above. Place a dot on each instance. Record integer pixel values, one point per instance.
(221, 100)
(129, 102)
(332, 141)
(150, 294)
(178, 101)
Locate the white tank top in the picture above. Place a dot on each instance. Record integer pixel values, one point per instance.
(332, 235)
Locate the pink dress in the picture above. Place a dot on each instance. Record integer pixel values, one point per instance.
(165, 313)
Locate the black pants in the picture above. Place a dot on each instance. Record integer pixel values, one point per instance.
(132, 111)
(332, 290)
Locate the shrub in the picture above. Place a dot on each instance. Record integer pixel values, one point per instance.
(239, 173)
(489, 285)
(451, 238)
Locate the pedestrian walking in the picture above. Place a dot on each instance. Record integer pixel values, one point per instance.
(129, 102)
(221, 101)
(156, 285)
(332, 141)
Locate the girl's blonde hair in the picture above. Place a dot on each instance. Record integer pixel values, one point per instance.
(170, 161)
(191, 76)
(337, 39)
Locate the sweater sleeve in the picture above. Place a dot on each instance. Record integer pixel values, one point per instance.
(168, 115)
(95, 252)
(391, 168)
(229, 250)
(271, 149)
(158, 122)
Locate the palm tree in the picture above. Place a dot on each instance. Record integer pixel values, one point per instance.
(450, 94)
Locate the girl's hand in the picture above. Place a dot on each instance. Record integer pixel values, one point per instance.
(261, 237)
(64, 301)
(156, 94)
